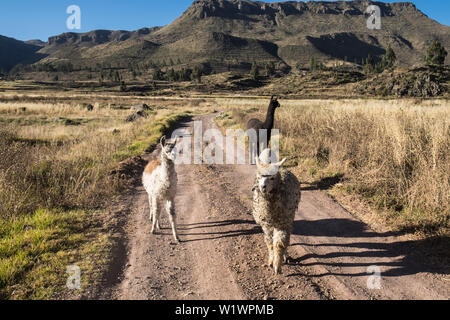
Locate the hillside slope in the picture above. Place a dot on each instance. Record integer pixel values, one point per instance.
(13, 52)
(233, 34)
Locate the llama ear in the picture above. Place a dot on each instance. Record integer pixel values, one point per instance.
(163, 141)
(279, 164)
(258, 164)
(177, 139)
(272, 98)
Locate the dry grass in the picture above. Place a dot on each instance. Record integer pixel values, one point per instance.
(48, 164)
(55, 176)
(393, 153)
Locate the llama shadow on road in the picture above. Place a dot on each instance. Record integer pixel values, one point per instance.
(325, 183)
(396, 258)
(242, 228)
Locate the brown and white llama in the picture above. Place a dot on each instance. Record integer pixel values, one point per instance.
(160, 182)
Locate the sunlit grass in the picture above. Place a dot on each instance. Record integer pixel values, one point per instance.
(56, 164)
(394, 153)
(36, 249)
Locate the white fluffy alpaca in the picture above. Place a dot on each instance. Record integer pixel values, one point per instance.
(276, 195)
(160, 182)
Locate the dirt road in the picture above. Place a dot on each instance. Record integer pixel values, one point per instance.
(223, 254)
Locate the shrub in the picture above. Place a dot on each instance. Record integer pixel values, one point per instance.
(436, 54)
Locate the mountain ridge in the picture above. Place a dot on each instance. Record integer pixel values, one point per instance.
(14, 52)
(222, 34)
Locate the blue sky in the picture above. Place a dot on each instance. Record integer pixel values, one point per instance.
(39, 19)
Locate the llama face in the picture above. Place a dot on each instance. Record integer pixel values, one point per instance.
(267, 176)
(168, 149)
(274, 103)
(267, 184)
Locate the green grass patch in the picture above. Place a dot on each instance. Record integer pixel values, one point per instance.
(36, 249)
(151, 135)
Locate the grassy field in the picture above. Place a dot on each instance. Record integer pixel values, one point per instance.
(56, 161)
(392, 154)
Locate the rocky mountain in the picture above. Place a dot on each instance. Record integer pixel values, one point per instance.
(98, 37)
(328, 30)
(37, 42)
(13, 52)
(232, 34)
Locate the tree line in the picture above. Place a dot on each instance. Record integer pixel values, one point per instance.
(435, 56)
(184, 74)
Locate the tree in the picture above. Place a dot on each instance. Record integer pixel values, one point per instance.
(369, 65)
(117, 77)
(436, 54)
(270, 68)
(157, 74)
(197, 74)
(254, 72)
(65, 67)
(171, 76)
(370, 61)
(184, 74)
(389, 58)
(313, 64)
(123, 86)
(16, 70)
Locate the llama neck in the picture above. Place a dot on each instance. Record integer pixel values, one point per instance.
(270, 117)
(167, 165)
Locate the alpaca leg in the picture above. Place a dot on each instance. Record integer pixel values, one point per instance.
(280, 244)
(270, 248)
(155, 214)
(268, 238)
(150, 207)
(170, 208)
(151, 213)
(278, 257)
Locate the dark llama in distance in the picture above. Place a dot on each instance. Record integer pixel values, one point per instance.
(263, 129)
